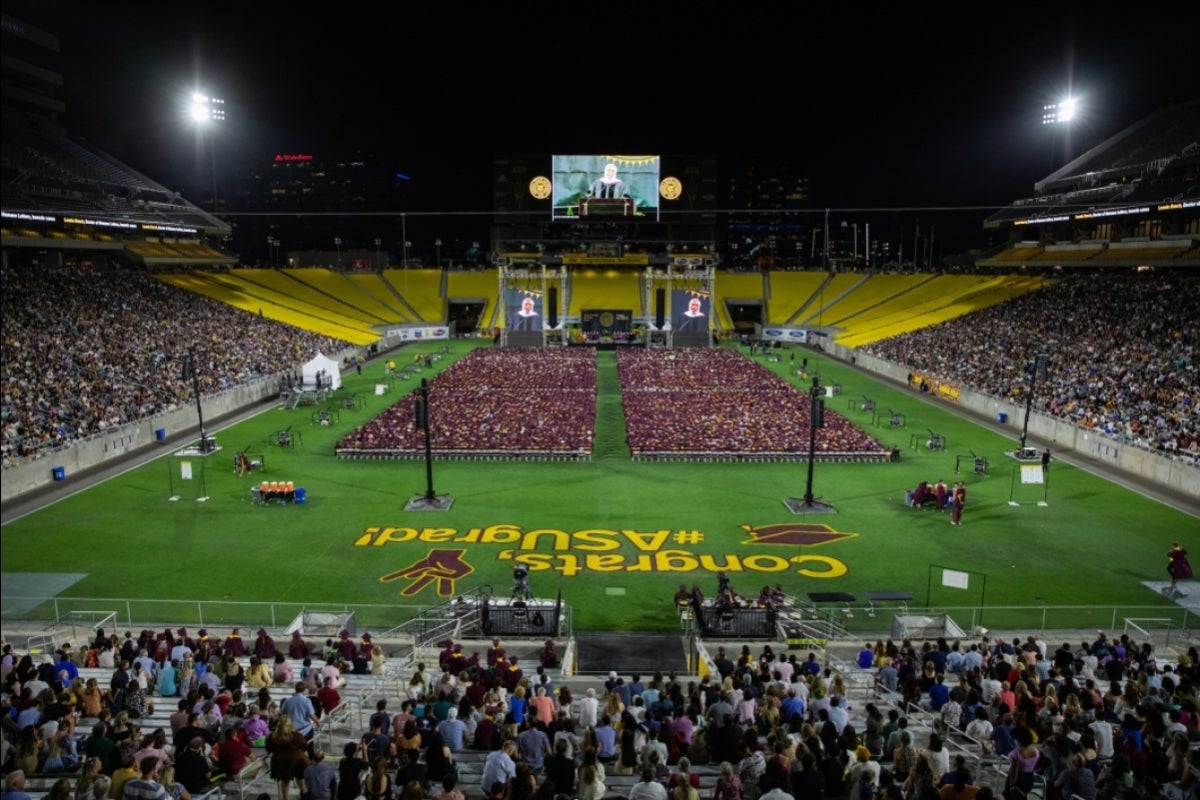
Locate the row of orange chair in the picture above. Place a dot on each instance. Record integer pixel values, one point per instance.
(283, 491)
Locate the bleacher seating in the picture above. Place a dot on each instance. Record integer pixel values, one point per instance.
(59, 174)
(422, 290)
(858, 687)
(258, 300)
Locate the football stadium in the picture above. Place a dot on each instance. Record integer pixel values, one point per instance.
(621, 466)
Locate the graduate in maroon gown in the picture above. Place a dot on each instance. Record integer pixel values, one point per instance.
(1177, 564)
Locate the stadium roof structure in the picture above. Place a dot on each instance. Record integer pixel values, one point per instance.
(60, 193)
(1147, 167)
(50, 177)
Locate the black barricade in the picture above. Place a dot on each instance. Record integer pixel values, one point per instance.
(739, 623)
(533, 618)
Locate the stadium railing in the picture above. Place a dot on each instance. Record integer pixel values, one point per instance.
(1162, 625)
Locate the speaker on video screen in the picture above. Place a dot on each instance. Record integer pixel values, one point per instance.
(552, 306)
(660, 302)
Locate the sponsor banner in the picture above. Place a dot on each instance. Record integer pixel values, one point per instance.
(947, 391)
(795, 335)
(944, 390)
(419, 334)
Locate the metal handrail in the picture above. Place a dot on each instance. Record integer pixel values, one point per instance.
(133, 612)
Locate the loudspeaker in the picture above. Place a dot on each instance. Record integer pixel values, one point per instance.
(552, 306)
(660, 303)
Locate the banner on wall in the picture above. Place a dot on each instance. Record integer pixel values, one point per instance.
(794, 335)
(419, 334)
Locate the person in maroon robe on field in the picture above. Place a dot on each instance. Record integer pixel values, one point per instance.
(1178, 566)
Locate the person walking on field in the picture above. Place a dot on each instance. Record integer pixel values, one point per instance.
(958, 499)
(1178, 566)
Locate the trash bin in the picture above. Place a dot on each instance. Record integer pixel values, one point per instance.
(60, 473)
(160, 434)
(1002, 418)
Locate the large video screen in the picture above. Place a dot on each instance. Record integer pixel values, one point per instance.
(605, 186)
(523, 309)
(689, 310)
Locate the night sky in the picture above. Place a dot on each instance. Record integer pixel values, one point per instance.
(893, 109)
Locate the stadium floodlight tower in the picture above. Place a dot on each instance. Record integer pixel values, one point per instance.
(1060, 115)
(205, 111)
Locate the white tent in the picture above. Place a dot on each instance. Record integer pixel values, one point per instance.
(327, 368)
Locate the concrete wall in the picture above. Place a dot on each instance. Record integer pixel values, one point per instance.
(1062, 434)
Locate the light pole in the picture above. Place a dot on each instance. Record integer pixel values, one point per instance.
(337, 242)
(404, 238)
(825, 243)
(438, 244)
(867, 244)
(377, 260)
(205, 111)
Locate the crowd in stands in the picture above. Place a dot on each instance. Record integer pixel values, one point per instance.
(1100, 720)
(504, 400)
(1122, 354)
(217, 693)
(706, 401)
(88, 351)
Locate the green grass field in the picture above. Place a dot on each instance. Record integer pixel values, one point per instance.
(594, 529)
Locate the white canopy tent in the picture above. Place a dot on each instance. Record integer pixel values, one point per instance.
(328, 369)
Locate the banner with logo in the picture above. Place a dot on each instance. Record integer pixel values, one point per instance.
(419, 334)
(794, 335)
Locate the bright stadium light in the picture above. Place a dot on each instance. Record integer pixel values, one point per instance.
(1060, 113)
(204, 108)
(1061, 117)
(205, 111)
